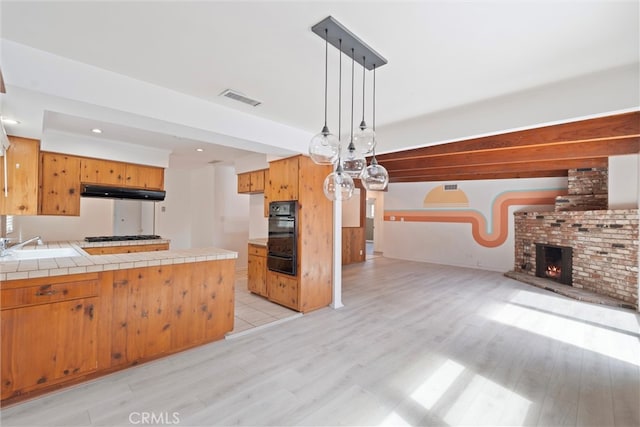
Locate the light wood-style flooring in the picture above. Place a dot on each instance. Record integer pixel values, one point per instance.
(415, 344)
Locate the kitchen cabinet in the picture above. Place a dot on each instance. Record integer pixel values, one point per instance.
(22, 177)
(104, 172)
(283, 289)
(126, 249)
(49, 331)
(267, 192)
(299, 178)
(283, 179)
(251, 182)
(59, 184)
(139, 176)
(164, 309)
(257, 270)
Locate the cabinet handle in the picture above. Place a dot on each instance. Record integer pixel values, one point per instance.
(46, 293)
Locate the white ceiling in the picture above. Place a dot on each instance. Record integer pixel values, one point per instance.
(442, 55)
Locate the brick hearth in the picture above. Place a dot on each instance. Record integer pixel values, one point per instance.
(604, 242)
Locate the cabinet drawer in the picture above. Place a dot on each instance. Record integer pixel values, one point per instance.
(48, 292)
(126, 249)
(282, 289)
(258, 250)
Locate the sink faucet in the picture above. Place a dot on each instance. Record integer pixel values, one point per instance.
(6, 250)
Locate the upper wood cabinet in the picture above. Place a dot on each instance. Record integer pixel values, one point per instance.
(96, 171)
(283, 179)
(251, 182)
(22, 177)
(267, 193)
(139, 176)
(59, 184)
(109, 172)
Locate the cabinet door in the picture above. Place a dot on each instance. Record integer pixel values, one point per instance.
(22, 177)
(104, 172)
(48, 343)
(267, 192)
(256, 275)
(283, 289)
(283, 178)
(150, 177)
(59, 184)
(244, 182)
(257, 181)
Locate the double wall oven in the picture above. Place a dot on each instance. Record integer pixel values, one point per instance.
(282, 245)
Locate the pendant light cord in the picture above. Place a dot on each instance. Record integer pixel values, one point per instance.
(326, 71)
(340, 92)
(352, 80)
(373, 119)
(364, 61)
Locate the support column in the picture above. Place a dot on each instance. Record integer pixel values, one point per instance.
(337, 255)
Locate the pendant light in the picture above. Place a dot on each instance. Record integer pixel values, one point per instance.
(375, 177)
(324, 148)
(365, 138)
(338, 185)
(354, 161)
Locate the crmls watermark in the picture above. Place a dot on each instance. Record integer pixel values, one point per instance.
(154, 418)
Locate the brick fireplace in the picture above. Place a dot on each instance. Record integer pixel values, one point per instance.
(603, 243)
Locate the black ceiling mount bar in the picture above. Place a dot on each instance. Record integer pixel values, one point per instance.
(336, 32)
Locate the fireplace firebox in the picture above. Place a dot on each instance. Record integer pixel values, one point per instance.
(554, 262)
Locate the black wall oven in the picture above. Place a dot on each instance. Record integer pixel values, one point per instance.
(282, 245)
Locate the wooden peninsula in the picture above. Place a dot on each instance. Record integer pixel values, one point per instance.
(69, 319)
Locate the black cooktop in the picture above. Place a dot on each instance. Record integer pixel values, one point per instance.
(121, 238)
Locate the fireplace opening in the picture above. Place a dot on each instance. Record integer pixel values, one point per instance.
(554, 262)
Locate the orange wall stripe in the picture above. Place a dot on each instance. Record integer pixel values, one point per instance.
(500, 214)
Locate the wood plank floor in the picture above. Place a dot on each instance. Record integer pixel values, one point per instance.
(415, 344)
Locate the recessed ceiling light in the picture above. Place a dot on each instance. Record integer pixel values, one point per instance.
(96, 130)
(9, 121)
(199, 150)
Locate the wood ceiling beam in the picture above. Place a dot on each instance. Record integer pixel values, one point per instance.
(431, 173)
(469, 177)
(620, 126)
(541, 153)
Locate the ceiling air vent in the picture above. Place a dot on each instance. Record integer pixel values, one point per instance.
(237, 96)
(450, 187)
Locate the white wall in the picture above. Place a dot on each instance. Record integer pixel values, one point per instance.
(173, 214)
(624, 182)
(201, 216)
(231, 215)
(258, 223)
(450, 243)
(96, 219)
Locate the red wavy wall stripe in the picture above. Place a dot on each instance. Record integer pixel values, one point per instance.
(500, 209)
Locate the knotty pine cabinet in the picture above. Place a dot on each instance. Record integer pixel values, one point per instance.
(109, 172)
(299, 178)
(59, 184)
(257, 270)
(22, 177)
(164, 309)
(251, 182)
(49, 331)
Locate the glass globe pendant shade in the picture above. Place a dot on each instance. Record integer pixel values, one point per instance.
(324, 148)
(365, 139)
(354, 163)
(375, 177)
(338, 185)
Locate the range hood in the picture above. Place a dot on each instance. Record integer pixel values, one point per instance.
(90, 190)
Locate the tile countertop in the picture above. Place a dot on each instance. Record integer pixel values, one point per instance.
(259, 242)
(85, 263)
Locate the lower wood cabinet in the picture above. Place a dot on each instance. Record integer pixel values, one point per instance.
(126, 249)
(64, 329)
(49, 331)
(257, 270)
(283, 289)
